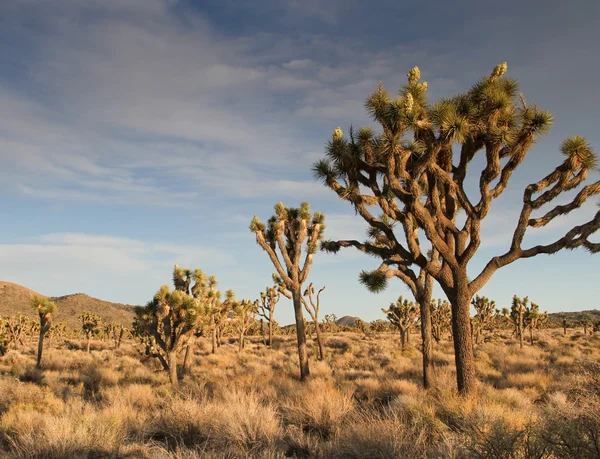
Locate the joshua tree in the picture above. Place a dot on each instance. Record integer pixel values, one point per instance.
(421, 285)
(46, 309)
(410, 172)
(403, 315)
(564, 324)
(117, 331)
(485, 314)
(165, 325)
(330, 322)
(91, 325)
(532, 319)
(517, 315)
(287, 231)
(441, 318)
(16, 327)
(245, 311)
(312, 307)
(586, 323)
(4, 339)
(359, 325)
(266, 308)
(58, 330)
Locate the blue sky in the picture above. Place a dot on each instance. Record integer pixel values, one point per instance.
(135, 134)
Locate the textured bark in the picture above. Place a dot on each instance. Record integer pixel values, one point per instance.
(463, 342)
(271, 332)
(188, 357)
(40, 348)
(214, 339)
(402, 338)
(88, 345)
(172, 361)
(426, 336)
(319, 341)
(301, 335)
(241, 343)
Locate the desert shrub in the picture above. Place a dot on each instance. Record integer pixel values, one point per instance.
(318, 408)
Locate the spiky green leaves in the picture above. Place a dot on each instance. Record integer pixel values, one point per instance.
(256, 225)
(43, 305)
(537, 121)
(580, 152)
(377, 104)
(375, 281)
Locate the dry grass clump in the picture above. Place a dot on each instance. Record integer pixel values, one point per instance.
(318, 408)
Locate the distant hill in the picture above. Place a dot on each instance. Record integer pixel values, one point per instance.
(15, 299)
(347, 321)
(576, 316)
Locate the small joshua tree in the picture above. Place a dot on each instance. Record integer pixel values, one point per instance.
(403, 315)
(586, 323)
(564, 325)
(286, 232)
(533, 319)
(117, 331)
(312, 307)
(16, 327)
(91, 325)
(441, 318)
(485, 313)
(165, 325)
(46, 309)
(359, 325)
(4, 337)
(245, 311)
(266, 308)
(418, 168)
(517, 314)
(330, 322)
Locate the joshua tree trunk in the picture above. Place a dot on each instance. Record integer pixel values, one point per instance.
(214, 339)
(565, 330)
(172, 360)
(520, 331)
(301, 335)
(531, 335)
(461, 332)
(402, 338)
(426, 336)
(188, 357)
(319, 341)
(43, 331)
(271, 332)
(241, 340)
(88, 344)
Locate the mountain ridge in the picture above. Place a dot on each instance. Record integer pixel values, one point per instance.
(15, 298)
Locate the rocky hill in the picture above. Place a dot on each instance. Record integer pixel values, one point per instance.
(15, 299)
(347, 321)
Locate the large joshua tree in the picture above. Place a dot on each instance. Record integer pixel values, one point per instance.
(46, 309)
(292, 232)
(409, 171)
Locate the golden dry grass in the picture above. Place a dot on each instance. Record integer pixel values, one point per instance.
(364, 400)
